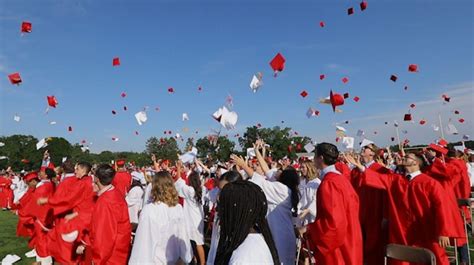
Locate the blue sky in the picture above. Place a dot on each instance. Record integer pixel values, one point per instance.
(219, 45)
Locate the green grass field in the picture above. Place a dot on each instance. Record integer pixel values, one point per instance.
(9, 242)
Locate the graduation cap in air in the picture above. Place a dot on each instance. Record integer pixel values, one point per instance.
(15, 78)
(116, 61)
(256, 82)
(461, 120)
(451, 129)
(393, 78)
(456, 112)
(412, 105)
(348, 142)
(123, 94)
(278, 63)
(350, 11)
(69, 128)
(422, 122)
(345, 80)
(446, 98)
(304, 93)
(322, 24)
(41, 144)
(228, 119)
(115, 139)
(406, 88)
(363, 5)
(346, 95)
(114, 112)
(125, 108)
(407, 117)
(438, 148)
(185, 117)
(26, 27)
(170, 90)
(336, 100)
(413, 68)
(16, 118)
(141, 117)
(311, 113)
(321, 77)
(52, 101)
(356, 99)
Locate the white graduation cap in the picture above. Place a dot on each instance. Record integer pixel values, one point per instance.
(228, 119)
(465, 137)
(459, 148)
(178, 135)
(3, 157)
(348, 142)
(340, 128)
(365, 143)
(256, 82)
(16, 118)
(141, 117)
(64, 159)
(435, 127)
(251, 152)
(395, 123)
(41, 144)
(115, 139)
(360, 133)
(84, 148)
(185, 117)
(451, 129)
(310, 113)
(52, 123)
(309, 147)
(2, 144)
(10, 259)
(189, 157)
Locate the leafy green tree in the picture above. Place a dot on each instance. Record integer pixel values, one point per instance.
(163, 148)
(221, 151)
(18, 148)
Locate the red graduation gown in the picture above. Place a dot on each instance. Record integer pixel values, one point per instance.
(417, 210)
(25, 226)
(372, 213)
(6, 194)
(72, 195)
(462, 190)
(344, 169)
(335, 235)
(43, 216)
(122, 182)
(448, 177)
(111, 230)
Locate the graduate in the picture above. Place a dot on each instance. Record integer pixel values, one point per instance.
(245, 236)
(372, 207)
(122, 180)
(110, 232)
(6, 193)
(417, 209)
(193, 209)
(42, 214)
(335, 236)
(161, 237)
(72, 204)
(134, 200)
(308, 196)
(26, 224)
(282, 198)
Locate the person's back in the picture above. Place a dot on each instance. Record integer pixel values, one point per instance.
(111, 230)
(122, 181)
(254, 250)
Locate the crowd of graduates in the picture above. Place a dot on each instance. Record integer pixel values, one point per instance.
(329, 208)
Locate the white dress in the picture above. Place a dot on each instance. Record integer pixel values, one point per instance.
(134, 200)
(254, 250)
(279, 217)
(308, 200)
(193, 212)
(161, 236)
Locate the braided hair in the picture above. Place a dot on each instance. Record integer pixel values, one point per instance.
(290, 178)
(195, 182)
(242, 207)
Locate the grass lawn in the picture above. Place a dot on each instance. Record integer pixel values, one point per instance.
(9, 242)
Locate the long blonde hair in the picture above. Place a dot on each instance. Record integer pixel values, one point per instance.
(163, 189)
(311, 169)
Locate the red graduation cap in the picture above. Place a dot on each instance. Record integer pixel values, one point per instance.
(170, 90)
(350, 11)
(30, 176)
(169, 132)
(375, 132)
(69, 128)
(259, 125)
(346, 122)
(321, 77)
(443, 142)
(26, 27)
(121, 162)
(356, 99)
(363, 5)
(83, 141)
(412, 105)
(413, 68)
(125, 108)
(116, 61)
(438, 148)
(456, 112)
(407, 117)
(393, 78)
(322, 24)
(123, 94)
(316, 112)
(136, 132)
(461, 120)
(392, 138)
(346, 95)
(25, 161)
(336, 100)
(278, 63)
(304, 93)
(157, 109)
(406, 88)
(446, 98)
(52, 101)
(15, 78)
(422, 122)
(345, 80)
(114, 112)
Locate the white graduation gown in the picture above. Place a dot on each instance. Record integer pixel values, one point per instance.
(161, 237)
(279, 217)
(193, 212)
(308, 200)
(134, 200)
(254, 250)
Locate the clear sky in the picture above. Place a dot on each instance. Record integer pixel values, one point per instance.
(219, 45)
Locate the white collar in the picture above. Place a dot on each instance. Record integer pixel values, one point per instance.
(43, 181)
(413, 174)
(105, 189)
(331, 168)
(68, 175)
(368, 164)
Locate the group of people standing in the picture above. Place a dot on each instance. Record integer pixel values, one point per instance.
(331, 208)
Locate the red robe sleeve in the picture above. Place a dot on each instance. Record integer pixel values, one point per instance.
(344, 169)
(104, 227)
(327, 232)
(68, 194)
(376, 180)
(438, 198)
